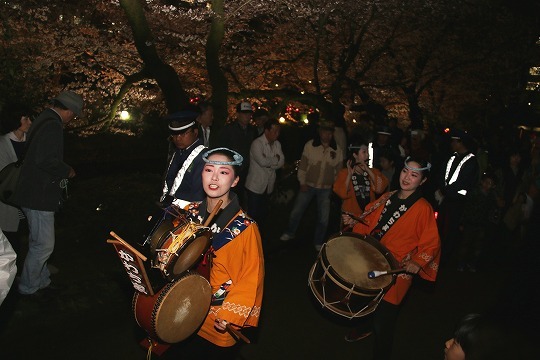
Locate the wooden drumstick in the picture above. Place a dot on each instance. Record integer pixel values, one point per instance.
(213, 213)
(237, 333)
(126, 244)
(177, 214)
(374, 273)
(354, 217)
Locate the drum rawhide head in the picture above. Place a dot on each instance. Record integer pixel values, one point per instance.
(177, 311)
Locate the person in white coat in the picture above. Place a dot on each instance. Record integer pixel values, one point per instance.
(265, 157)
(16, 122)
(8, 268)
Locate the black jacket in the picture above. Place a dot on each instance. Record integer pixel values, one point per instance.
(235, 137)
(43, 167)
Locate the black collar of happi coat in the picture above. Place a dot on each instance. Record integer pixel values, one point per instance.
(393, 211)
(224, 216)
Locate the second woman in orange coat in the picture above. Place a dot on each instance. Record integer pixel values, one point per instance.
(358, 184)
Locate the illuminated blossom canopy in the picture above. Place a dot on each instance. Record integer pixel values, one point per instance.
(418, 60)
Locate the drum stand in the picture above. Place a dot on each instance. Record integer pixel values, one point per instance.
(154, 346)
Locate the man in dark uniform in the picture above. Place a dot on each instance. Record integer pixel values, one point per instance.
(458, 180)
(183, 183)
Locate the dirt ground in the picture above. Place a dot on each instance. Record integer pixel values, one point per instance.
(92, 317)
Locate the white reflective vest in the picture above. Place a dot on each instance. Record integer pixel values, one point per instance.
(180, 176)
(455, 175)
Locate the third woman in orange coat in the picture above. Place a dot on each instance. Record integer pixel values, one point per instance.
(404, 222)
(358, 184)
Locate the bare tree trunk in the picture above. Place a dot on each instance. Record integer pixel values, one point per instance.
(416, 115)
(166, 77)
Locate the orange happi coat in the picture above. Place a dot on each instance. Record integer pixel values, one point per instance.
(414, 236)
(241, 260)
(350, 203)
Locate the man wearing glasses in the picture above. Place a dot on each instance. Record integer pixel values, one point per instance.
(183, 182)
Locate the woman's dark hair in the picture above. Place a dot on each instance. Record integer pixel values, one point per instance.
(230, 156)
(481, 337)
(11, 116)
(424, 164)
(354, 146)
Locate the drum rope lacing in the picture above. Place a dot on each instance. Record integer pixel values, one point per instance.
(348, 297)
(157, 305)
(377, 299)
(325, 303)
(178, 240)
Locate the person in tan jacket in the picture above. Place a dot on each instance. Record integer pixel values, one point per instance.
(320, 162)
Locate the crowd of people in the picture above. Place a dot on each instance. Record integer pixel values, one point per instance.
(41, 184)
(428, 204)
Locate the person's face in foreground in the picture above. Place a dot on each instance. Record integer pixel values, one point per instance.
(218, 179)
(410, 179)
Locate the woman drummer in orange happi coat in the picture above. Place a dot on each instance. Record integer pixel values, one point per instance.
(358, 184)
(404, 223)
(237, 270)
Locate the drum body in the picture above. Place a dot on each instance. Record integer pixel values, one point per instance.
(339, 278)
(161, 231)
(181, 248)
(176, 311)
(162, 222)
